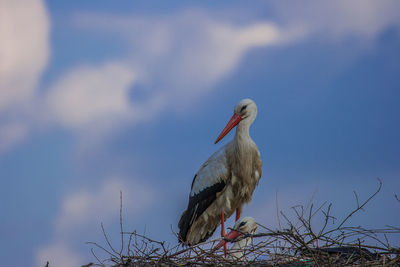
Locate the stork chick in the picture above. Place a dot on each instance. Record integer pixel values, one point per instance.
(246, 225)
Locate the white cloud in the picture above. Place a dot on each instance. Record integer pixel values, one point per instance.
(188, 51)
(82, 210)
(11, 133)
(180, 58)
(90, 95)
(24, 53)
(24, 50)
(341, 18)
(85, 207)
(58, 254)
(175, 61)
(171, 61)
(198, 65)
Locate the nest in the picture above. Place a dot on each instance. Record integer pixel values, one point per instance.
(298, 243)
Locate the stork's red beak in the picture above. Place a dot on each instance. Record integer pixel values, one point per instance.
(232, 123)
(232, 235)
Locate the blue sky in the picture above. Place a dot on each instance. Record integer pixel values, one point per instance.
(99, 96)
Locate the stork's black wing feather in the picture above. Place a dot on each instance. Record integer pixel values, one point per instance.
(198, 203)
(208, 181)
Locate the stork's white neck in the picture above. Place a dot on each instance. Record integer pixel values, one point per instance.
(242, 135)
(247, 110)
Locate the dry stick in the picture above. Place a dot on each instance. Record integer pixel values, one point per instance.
(277, 210)
(312, 199)
(120, 223)
(150, 251)
(101, 247)
(344, 234)
(129, 244)
(387, 241)
(356, 196)
(192, 247)
(363, 204)
(319, 208)
(326, 219)
(94, 254)
(310, 214)
(108, 241)
(144, 237)
(368, 246)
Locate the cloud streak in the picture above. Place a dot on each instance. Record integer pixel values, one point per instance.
(59, 253)
(184, 54)
(85, 207)
(11, 133)
(24, 50)
(171, 61)
(179, 59)
(24, 54)
(340, 19)
(91, 95)
(81, 210)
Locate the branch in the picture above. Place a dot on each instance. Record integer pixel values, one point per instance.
(359, 207)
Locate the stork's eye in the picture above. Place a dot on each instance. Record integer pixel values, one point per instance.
(243, 108)
(242, 224)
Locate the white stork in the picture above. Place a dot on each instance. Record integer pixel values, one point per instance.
(246, 225)
(225, 181)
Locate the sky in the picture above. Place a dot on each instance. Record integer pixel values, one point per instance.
(102, 97)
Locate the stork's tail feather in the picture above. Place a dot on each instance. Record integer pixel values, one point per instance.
(183, 226)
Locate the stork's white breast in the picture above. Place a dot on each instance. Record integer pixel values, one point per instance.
(213, 171)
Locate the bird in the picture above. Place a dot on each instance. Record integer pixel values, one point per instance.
(225, 182)
(243, 227)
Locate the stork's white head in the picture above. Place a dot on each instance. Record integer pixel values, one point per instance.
(245, 225)
(247, 110)
(245, 113)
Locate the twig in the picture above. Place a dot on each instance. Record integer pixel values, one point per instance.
(396, 197)
(359, 207)
(277, 210)
(108, 241)
(120, 223)
(292, 244)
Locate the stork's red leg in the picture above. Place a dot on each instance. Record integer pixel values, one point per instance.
(237, 214)
(223, 230)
